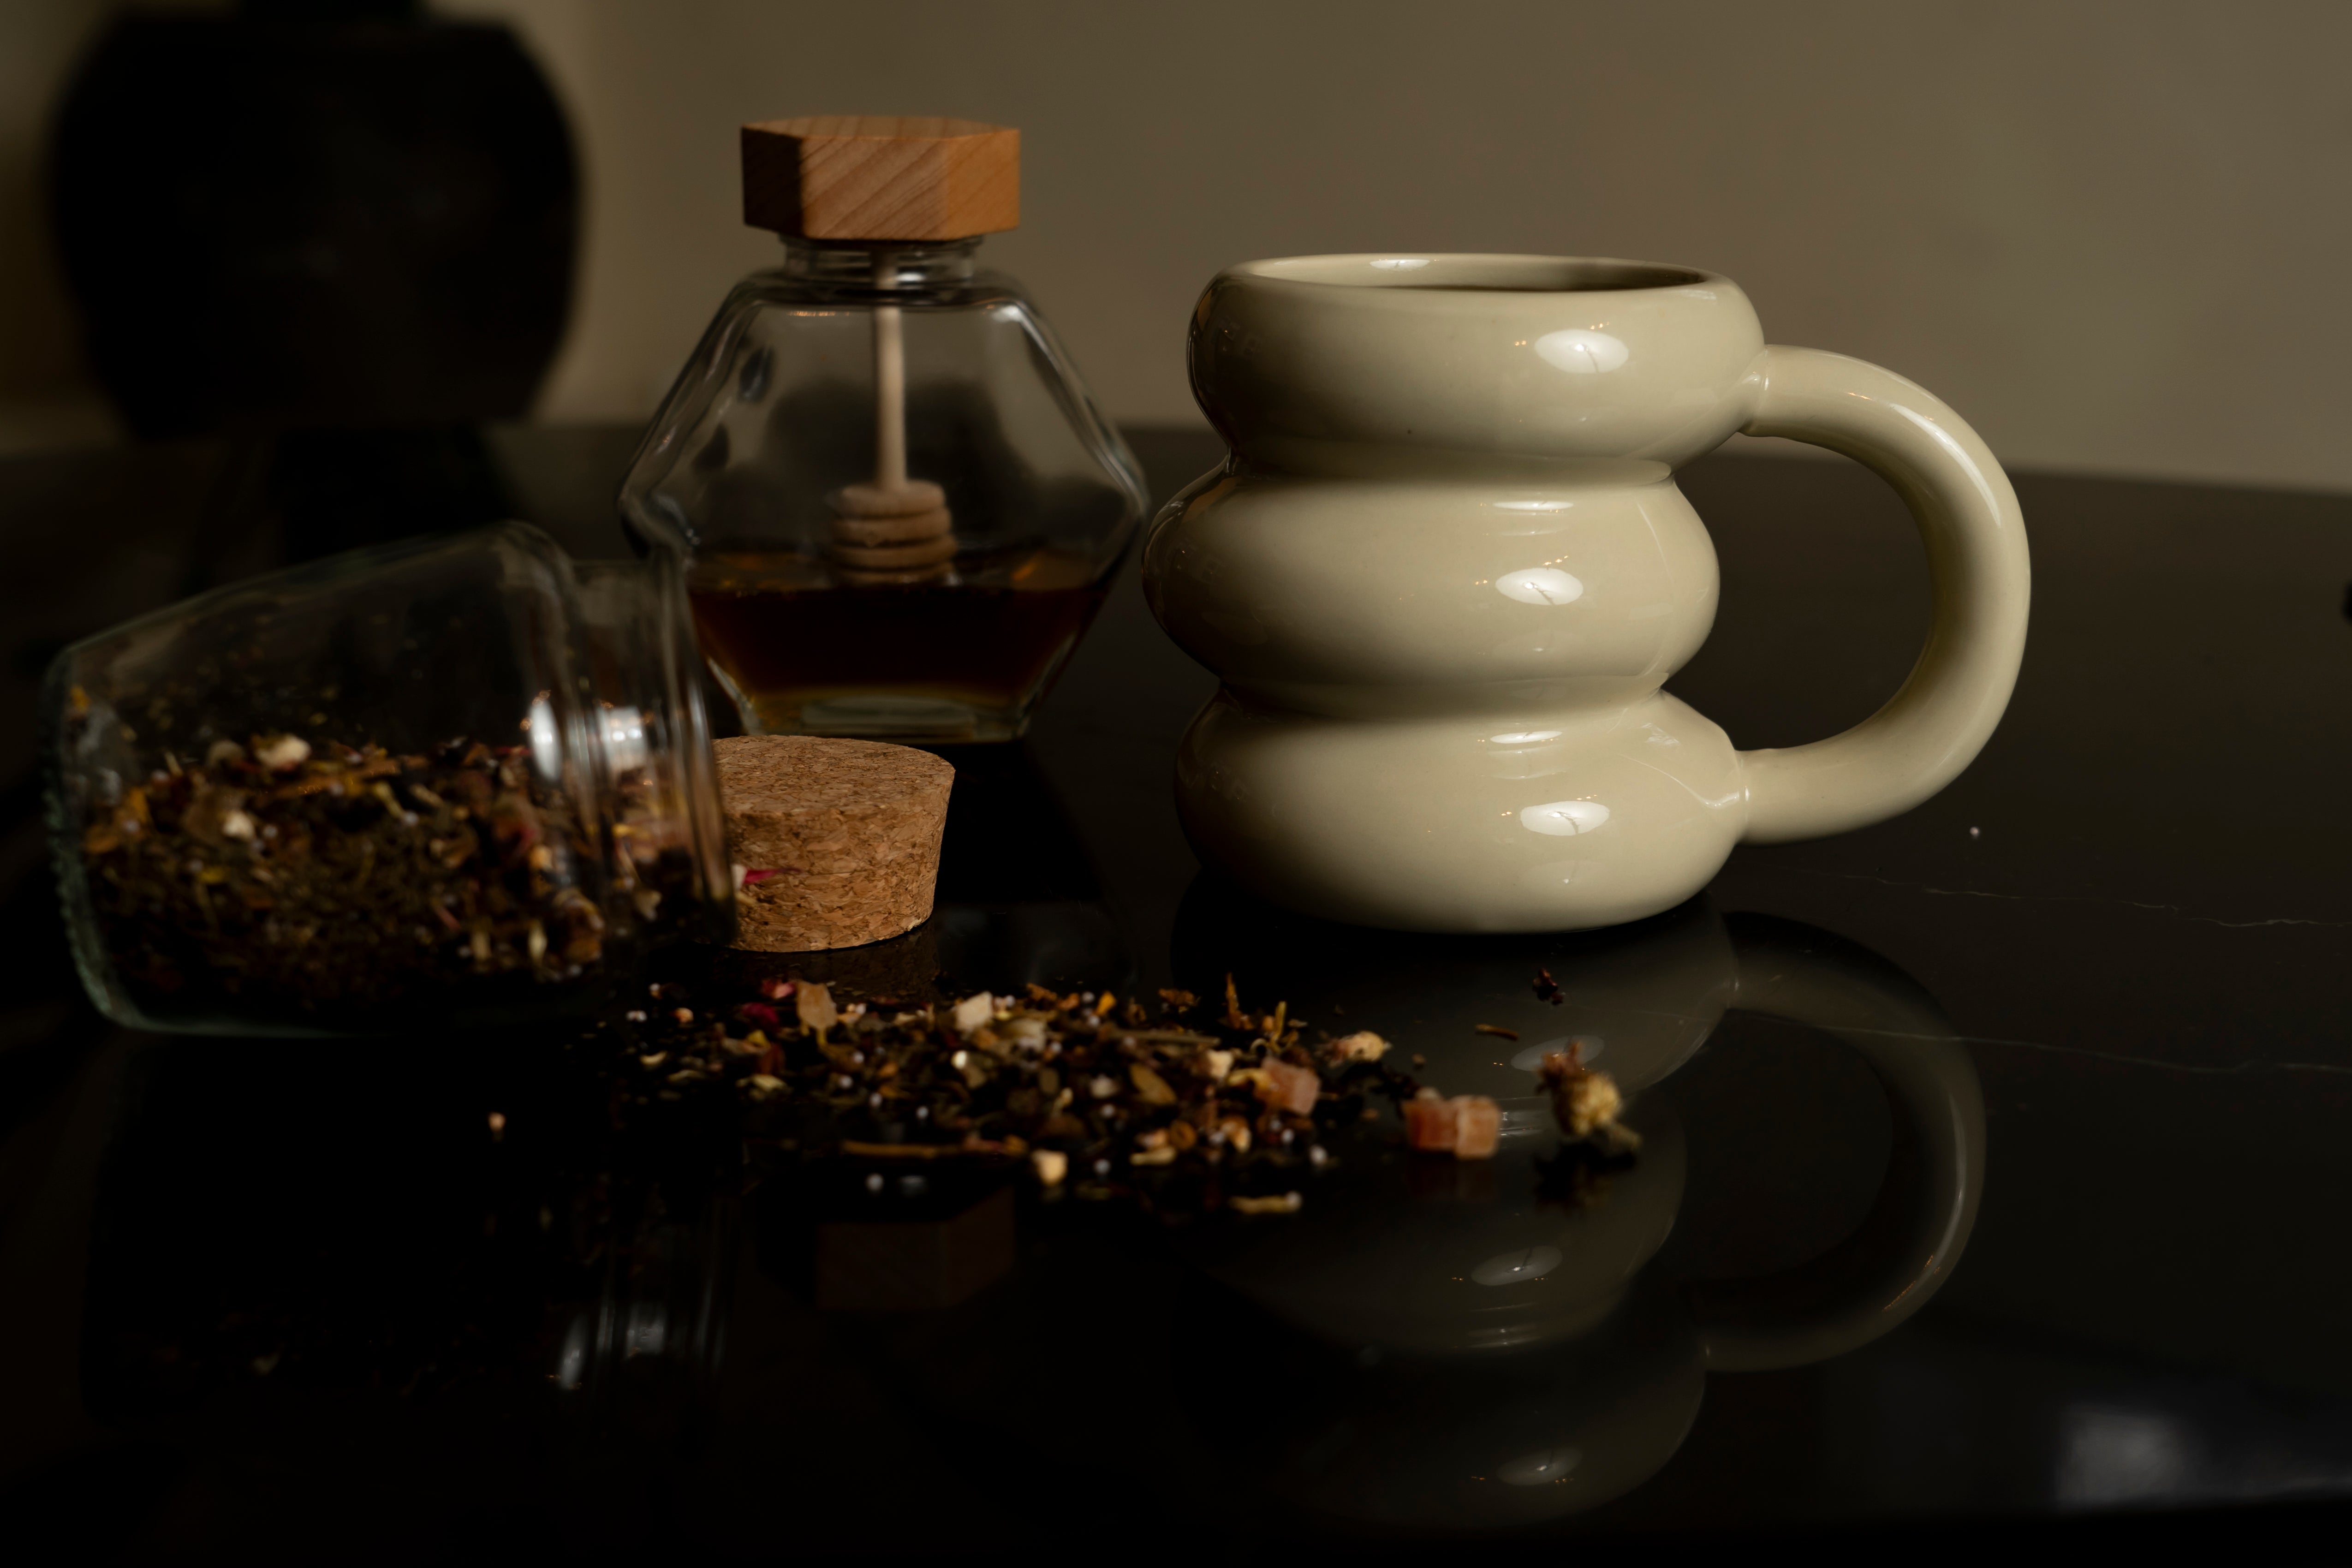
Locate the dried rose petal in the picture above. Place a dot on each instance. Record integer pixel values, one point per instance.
(1149, 1086)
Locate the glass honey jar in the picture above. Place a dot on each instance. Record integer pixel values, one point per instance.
(897, 505)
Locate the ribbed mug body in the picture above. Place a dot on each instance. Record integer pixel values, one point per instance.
(1443, 577)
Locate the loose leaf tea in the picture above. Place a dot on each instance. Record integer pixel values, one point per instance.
(277, 882)
(1177, 1107)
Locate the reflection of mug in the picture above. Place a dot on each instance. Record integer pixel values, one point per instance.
(1467, 1338)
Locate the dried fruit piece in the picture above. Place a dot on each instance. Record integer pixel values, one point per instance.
(282, 754)
(1429, 1122)
(1290, 1089)
(1477, 1127)
(1467, 1126)
(814, 1005)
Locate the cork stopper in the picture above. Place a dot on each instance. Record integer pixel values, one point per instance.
(839, 841)
(872, 178)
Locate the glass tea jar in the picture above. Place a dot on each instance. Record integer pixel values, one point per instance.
(452, 781)
(898, 506)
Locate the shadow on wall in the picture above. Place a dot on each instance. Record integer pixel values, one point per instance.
(371, 217)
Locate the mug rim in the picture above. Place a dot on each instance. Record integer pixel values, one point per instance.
(1429, 272)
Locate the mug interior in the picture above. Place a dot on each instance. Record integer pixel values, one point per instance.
(1507, 274)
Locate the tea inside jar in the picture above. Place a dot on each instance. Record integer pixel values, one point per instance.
(334, 888)
(961, 658)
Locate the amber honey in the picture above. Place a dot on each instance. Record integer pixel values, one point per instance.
(964, 658)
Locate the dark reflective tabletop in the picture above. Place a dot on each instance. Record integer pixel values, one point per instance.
(1994, 1183)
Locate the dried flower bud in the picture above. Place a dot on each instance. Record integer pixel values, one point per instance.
(1585, 1100)
(282, 753)
(1363, 1045)
(1051, 1165)
(1216, 1064)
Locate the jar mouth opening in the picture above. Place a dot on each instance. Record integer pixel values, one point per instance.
(881, 265)
(1436, 272)
(650, 712)
(697, 781)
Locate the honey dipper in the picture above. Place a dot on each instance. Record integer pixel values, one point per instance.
(894, 529)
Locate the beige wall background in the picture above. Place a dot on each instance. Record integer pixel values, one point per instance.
(2111, 235)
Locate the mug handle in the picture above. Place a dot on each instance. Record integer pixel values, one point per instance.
(1969, 517)
(1905, 1249)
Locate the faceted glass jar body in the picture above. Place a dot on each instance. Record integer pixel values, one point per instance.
(451, 781)
(784, 410)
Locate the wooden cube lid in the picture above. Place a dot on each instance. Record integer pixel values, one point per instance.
(881, 177)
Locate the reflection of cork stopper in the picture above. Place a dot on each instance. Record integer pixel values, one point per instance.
(894, 533)
(839, 841)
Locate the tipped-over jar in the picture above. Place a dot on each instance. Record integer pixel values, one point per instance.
(454, 781)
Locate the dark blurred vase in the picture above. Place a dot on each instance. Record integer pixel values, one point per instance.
(339, 213)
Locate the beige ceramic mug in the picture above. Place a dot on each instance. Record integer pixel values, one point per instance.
(1447, 569)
